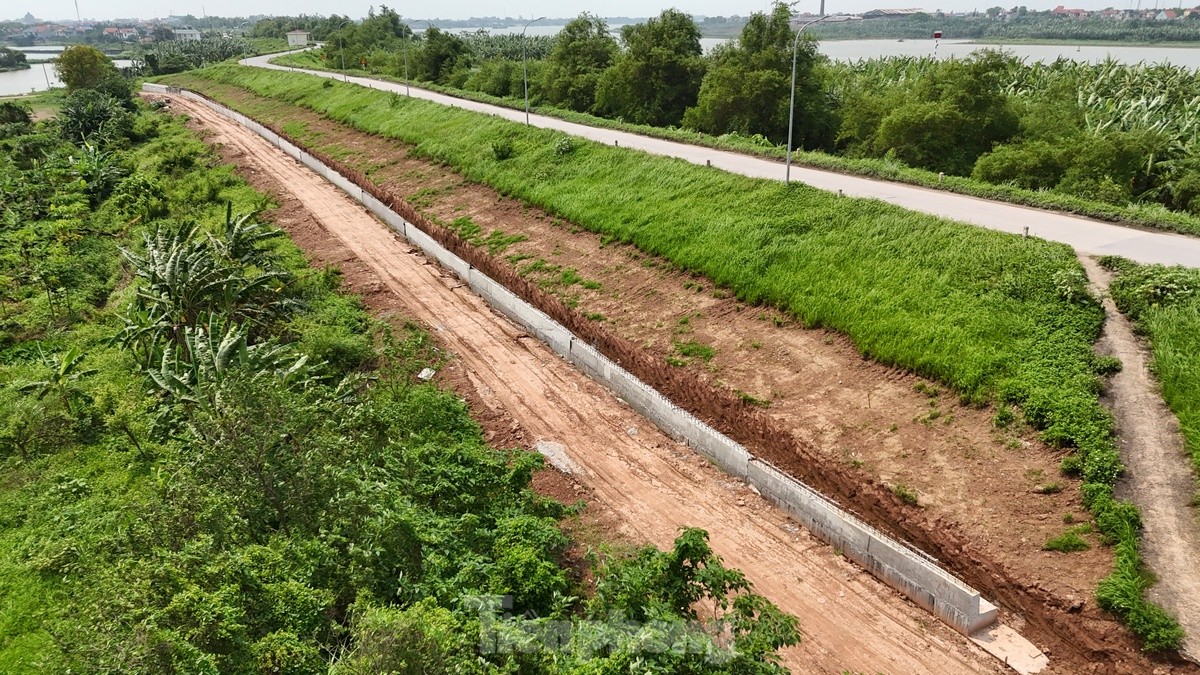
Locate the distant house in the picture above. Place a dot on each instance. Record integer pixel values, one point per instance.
(1166, 15)
(185, 34)
(1075, 13)
(297, 38)
(889, 13)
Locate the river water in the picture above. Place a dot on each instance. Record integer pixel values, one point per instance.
(852, 50)
(40, 76)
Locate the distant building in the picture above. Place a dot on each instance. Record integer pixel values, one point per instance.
(185, 34)
(1166, 15)
(890, 13)
(298, 38)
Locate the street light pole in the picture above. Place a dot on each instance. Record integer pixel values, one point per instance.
(407, 35)
(342, 49)
(787, 176)
(525, 69)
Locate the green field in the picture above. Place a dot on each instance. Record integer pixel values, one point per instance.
(998, 317)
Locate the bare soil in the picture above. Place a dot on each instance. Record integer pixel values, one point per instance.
(643, 485)
(1000, 486)
(1158, 473)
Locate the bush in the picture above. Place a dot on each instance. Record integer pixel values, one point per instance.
(502, 149)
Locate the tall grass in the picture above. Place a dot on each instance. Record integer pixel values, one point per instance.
(996, 316)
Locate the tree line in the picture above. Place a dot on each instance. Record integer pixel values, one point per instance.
(1104, 133)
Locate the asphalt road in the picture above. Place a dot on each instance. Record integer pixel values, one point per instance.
(1087, 236)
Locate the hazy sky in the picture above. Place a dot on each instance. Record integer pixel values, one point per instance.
(461, 9)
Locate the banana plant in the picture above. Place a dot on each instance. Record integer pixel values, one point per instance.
(66, 371)
(193, 372)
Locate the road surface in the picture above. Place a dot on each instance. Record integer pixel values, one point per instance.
(1086, 236)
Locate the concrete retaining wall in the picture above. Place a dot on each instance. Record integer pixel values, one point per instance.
(904, 568)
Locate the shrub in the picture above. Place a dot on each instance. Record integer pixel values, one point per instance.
(502, 149)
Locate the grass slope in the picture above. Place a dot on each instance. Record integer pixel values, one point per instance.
(996, 316)
(1154, 216)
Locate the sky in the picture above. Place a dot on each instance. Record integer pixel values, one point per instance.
(462, 9)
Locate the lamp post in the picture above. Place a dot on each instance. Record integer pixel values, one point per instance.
(407, 34)
(787, 176)
(342, 48)
(525, 69)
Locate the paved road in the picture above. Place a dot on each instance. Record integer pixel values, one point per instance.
(1087, 236)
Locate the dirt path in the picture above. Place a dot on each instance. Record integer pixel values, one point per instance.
(849, 620)
(1158, 473)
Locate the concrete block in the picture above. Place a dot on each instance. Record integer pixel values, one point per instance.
(586, 357)
(344, 184)
(395, 221)
(421, 240)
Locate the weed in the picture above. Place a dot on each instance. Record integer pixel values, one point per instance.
(906, 494)
(751, 399)
(676, 361)
(695, 349)
(926, 389)
(1004, 416)
(591, 285)
(756, 345)
(1048, 489)
(502, 149)
(593, 316)
(564, 146)
(1067, 542)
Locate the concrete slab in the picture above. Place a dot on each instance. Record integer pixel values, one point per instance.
(1009, 646)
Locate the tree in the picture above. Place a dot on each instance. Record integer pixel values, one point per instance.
(746, 89)
(581, 53)
(438, 57)
(83, 67)
(89, 115)
(11, 59)
(658, 75)
(949, 115)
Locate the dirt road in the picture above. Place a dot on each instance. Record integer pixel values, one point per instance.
(1085, 235)
(1158, 473)
(849, 620)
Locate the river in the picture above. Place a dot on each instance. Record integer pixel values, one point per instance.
(39, 77)
(852, 50)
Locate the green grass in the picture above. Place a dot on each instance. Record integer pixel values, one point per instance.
(1142, 215)
(693, 349)
(1069, 541)
(996, 317)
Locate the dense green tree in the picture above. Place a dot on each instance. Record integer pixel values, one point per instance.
(83, 67)
(657, 76)
(11, 59)
(943, 120)
(439, 55)
(745, 89)
(581, 53)
(93, 116)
